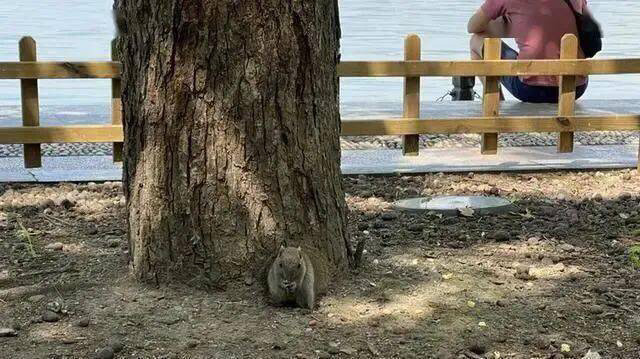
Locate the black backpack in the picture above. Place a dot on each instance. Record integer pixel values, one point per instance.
(589, 32)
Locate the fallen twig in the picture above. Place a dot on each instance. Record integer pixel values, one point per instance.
(55, 219)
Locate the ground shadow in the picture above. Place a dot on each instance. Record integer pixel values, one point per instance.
(428, 287)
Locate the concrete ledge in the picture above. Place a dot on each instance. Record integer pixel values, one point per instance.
(470, 160)
(355, 162)
(62, 169)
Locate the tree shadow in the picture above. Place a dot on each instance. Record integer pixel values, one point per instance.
(426, 284)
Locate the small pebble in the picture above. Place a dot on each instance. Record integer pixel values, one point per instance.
(567, 247)
(596, 310)
(592, 355)
(478, 348)
(191, 343)
(389, 216)
(471, 304)
(50, 317)
(542, 343)
(45, 203)
(57, 246)
(113, 243)
(117, 346)
(54, 307)
(105, 353)
(533, 241)
(523, 272)
(83, 323)
(67, 204)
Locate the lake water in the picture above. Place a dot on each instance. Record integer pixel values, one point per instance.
(81, 30)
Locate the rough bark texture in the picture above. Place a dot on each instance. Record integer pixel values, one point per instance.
(232, 134)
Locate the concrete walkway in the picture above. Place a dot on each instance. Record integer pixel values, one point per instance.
(508, 159)
(354, 162)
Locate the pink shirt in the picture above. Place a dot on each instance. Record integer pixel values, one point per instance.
(538, 27)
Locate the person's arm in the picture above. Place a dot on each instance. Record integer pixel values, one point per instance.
(489, 19)
(478, 23)
(481, 24)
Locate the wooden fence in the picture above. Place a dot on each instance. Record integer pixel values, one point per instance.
(32, 135)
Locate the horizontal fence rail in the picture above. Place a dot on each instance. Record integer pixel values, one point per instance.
(489, 123)
(487, 68)
(416, 68)
(60, 70)
(507, 124)
(61, 134)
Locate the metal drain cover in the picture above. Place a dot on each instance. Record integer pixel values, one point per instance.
(451, 205)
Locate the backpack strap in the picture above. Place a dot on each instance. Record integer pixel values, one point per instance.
(571, 6)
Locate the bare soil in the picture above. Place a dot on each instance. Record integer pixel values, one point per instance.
(555, 278)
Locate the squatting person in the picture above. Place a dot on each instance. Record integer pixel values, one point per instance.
(538, 27)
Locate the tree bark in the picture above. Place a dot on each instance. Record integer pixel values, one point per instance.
(231, 134)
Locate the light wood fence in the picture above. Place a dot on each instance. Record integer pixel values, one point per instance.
(28, 70)
(31, 134)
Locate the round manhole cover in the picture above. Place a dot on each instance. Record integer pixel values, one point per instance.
(454, 205)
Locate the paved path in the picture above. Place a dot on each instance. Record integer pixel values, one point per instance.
(470, 160)
(354, 162)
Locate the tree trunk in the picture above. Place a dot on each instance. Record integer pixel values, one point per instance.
(231, 134)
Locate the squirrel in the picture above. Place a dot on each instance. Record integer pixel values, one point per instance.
(292, 278)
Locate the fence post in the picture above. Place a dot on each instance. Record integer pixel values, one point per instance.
(491, 96)
(567, 93)
(116, 104)
(411, 143)
(30, 103)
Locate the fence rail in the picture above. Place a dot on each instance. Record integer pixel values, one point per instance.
(487, 68)
(61, 134)
(490, 124)
(59, 70)
(412, 68)
(504, 124)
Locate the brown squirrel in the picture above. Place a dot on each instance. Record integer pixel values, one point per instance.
(292, 278)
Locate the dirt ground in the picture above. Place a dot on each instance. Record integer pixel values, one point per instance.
(555, 278)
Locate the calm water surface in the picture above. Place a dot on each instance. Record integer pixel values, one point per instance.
(81, 30)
